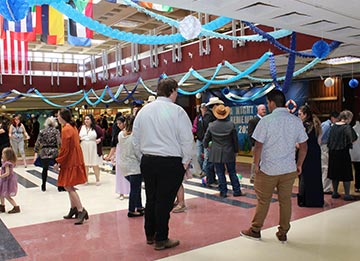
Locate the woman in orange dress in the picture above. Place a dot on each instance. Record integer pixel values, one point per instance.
(71, 164)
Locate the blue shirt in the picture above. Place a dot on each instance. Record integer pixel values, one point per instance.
(325, 127)
(279, 132)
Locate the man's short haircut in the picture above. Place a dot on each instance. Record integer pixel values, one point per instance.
(276, 96)
(166, 87)
(334, 114)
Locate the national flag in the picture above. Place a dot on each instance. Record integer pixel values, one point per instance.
(52, 22)
(85, 7)
(2, 32)
(13, 55)
(158, 7)
(24, 25)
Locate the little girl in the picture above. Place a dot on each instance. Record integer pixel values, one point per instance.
(8, 180)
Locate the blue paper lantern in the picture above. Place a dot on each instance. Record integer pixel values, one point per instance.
(106, 106)
(353, 83)
(226, 90)
(320, 49)
(14, 10)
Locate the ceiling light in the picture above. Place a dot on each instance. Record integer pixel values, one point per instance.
(127, 23)
(225, 76)
(341, 60)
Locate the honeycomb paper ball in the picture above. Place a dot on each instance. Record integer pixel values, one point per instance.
(353, 83)
(329, 82)
(190, 27)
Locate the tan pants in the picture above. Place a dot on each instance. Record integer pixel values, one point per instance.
(264, 188)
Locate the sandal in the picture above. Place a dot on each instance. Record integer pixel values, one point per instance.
(179, 209)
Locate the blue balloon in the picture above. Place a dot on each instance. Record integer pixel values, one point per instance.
(14, 10)
(353, 83)
(321, 49)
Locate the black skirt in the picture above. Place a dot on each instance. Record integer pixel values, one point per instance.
(340, 165)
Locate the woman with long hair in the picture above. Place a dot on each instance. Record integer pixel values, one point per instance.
(46, 146)
(72, 166)
(130, 168)
(310, 185)
(18, 135)
(91, 138)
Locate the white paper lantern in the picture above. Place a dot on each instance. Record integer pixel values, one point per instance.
(126, 101)
(3, 106)
(190, 27)
(329, 82)
(198, 95)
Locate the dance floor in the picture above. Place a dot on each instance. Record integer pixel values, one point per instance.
(208, 230)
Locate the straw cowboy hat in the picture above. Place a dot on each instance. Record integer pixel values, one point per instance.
(221, 111)
(151, 98)
(214, 100)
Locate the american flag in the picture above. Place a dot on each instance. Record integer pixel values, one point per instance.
(13, 53)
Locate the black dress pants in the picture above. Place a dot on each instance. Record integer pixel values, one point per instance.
(163, 177)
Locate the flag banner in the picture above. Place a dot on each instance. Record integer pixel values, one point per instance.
(24, 25)
(86, 8)
(52, 24)
(13, 55)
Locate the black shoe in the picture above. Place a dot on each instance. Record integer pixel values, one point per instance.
(150, 240)
(61, 189)
(335, 195)
(223, 195)
(141, 210)
(328, 192)
(83, 215)
(72, 213)
(135, 214)
(239, 194)
(169, 243)
(43, 187)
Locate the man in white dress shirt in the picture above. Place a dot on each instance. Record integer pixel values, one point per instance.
(163, 139)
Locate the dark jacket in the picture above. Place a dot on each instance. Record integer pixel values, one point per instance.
(224, 139)
(251, 127)
(200, 129)
(99, 135)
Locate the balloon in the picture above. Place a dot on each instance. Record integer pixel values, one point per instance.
(353, 83)
(329, 82)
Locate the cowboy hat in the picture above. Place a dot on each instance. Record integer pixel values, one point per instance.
(221, 111)
(214, 100)
(151, 98)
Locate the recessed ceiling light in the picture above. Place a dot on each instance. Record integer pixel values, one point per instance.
(341, 60)
(127, 23)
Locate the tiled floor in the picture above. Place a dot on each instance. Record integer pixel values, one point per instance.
(208, 230)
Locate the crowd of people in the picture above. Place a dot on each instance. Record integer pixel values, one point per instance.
(154, 145)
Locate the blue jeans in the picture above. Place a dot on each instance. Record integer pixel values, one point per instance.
(220, 172)
(135, 192)
(200, 154)
(209, 168)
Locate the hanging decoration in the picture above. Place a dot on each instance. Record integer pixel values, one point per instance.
(329, 82)
(14, 10)
(190, 27)
(207, 29)
(353, 83)
(321, 49)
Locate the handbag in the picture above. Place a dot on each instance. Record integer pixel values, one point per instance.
(37, 162)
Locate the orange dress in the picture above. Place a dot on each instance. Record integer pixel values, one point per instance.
(72, 166)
